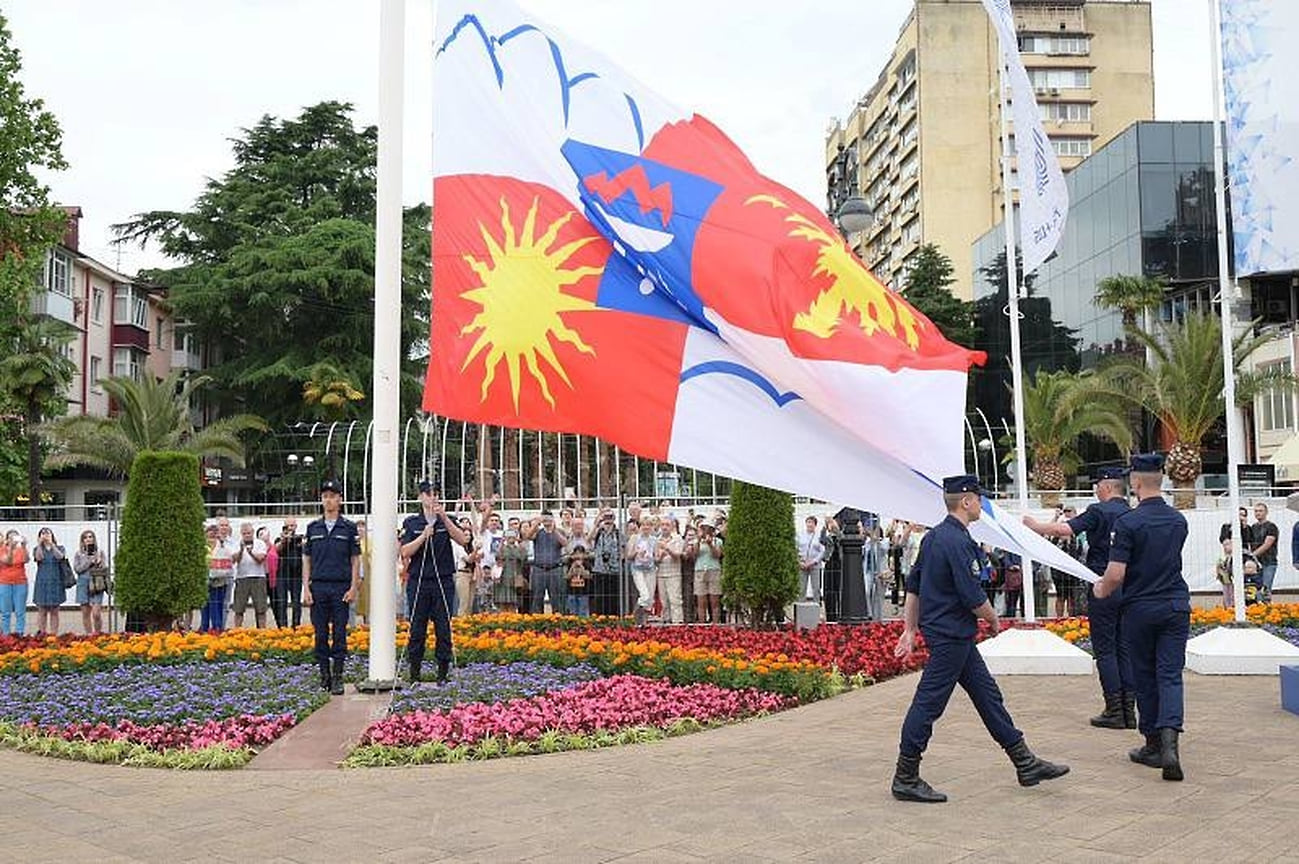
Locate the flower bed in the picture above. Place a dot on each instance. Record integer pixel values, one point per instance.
(1282, 619)
(165, 711)
(592, 714)
(525, 684)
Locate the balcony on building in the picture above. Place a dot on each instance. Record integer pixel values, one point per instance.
(54, 299)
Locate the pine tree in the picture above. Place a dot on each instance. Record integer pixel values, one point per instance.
(927, 290)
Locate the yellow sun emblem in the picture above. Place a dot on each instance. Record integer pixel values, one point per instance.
(852, 287)
(521, 298)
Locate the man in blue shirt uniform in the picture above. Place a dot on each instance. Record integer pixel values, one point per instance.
(944, 601)
(1105, 616)
(1146, 562)
(331, 576)
(426, 540)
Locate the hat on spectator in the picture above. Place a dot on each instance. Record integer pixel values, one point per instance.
(1111, 473)
(1147, 463)
(962, 483)
(426, 486)
(331, 485)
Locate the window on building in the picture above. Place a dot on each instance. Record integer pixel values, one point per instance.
(910, 166)
(127, 364)
(1060, 79)
(95, 371)
(97, 305)
(1072, 146)
(1276, 406)
(159, 335)
(58, 272)
(130, 307)
(1066, 112)
(1054, 44)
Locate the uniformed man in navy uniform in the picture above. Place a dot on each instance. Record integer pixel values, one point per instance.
(1146, 563)
(944, 601)
(1105, 616)
(426, 540)
(331, 576)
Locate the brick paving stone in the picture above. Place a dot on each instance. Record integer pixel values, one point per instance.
(810, 784)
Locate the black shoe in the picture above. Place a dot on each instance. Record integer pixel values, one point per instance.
(337, 679)
(1129, 710)
(1031, 770)
(413, 674)
(1169, 759)
(1148, 754)
(907, 785)
(325, 682)
(444, 669)
(1112, 716)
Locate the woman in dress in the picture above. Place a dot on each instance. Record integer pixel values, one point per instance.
(511, 557)
(50, 593)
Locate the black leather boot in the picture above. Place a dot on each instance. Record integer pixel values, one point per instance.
(325, 683)
(1031, 770)
(1112, 716)
(336, 682)
(907, 785)
(1148, 754)
(444, 668)
(413, 673)
(1168, 755)
(1129, 710)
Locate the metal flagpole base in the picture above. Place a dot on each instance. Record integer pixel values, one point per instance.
(372, 686)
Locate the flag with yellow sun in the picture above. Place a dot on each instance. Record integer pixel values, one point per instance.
(607, 264)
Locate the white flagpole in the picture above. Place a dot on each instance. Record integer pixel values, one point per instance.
(1227, 293)
(1016, 353)
(387, 346)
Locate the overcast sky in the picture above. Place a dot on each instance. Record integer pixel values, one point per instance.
(148, 92)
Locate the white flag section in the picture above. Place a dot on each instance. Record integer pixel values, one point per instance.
(608, 264)
(1043, 198)
(1262, 90)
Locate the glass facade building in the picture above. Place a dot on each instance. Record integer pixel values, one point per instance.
(1141, 205)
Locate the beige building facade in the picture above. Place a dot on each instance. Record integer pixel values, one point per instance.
(923, 145)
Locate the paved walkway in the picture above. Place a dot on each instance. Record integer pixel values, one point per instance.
(809, 784)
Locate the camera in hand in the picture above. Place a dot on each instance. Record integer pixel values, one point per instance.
(92, 548)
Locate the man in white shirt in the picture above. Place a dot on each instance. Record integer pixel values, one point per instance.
(811, 553)
(250, 576)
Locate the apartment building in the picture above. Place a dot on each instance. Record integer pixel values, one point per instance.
(125, 328)
(923, 145)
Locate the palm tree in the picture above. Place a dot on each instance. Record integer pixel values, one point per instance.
(35, 374)
(1183, 387)
(329, 394)
(1130, 295)
(1059, 408)
(151, 415)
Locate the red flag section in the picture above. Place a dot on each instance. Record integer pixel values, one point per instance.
(517, 337)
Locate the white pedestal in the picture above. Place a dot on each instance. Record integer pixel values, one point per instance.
(1034, 652)
(1239, 651)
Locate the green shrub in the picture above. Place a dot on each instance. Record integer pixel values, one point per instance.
(760, 555)
(162, 555)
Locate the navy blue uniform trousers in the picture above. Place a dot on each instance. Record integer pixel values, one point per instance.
(1157, 631)
(427, 599)
(329, 618)
(952, 662)
(1109, 645)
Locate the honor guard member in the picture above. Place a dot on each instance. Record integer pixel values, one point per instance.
(1105, 616)
(331, 576)
(1146, 562)
(426, 540)
(944, 600)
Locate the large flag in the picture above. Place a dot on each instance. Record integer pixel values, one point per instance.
(1262, 93)
(1043, 198)
(607, 264)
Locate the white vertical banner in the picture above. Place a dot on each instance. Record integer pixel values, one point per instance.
(1043, 199)
(1262, 92)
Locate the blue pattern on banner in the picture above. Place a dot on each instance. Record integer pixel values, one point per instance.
(722, 367)
(566, 84)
